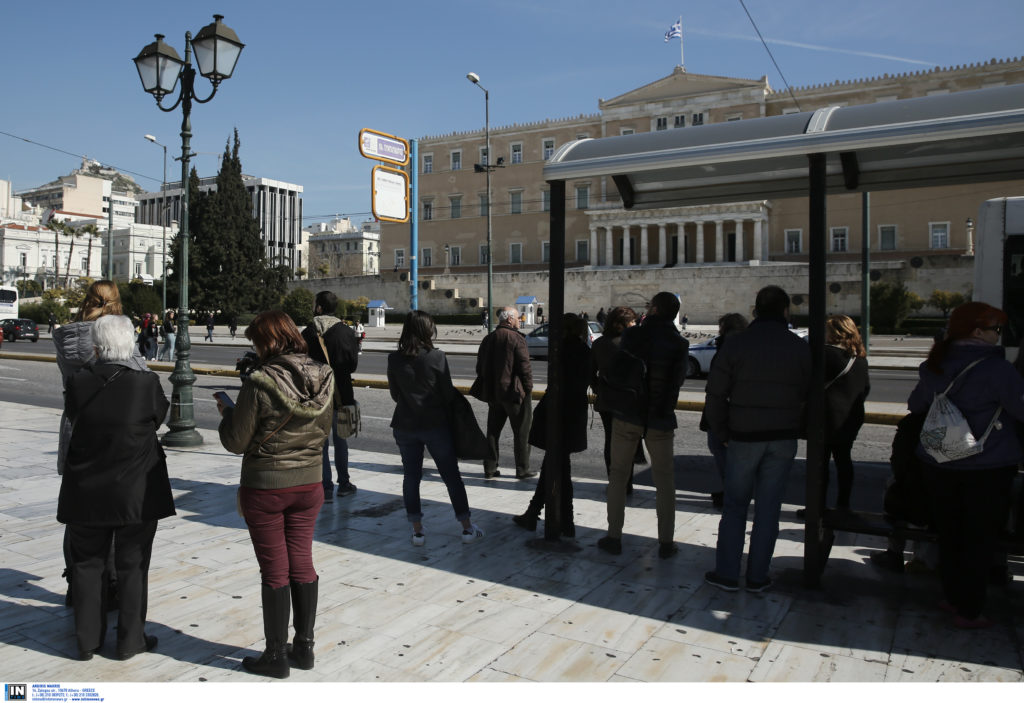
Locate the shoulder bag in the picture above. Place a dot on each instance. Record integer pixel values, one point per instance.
(350, 420)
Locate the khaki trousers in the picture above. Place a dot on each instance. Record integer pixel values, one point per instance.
(625, 437)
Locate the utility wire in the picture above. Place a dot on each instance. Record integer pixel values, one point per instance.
(765, 44)
(77, 156)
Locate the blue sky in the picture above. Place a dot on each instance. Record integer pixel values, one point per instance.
(314, 72)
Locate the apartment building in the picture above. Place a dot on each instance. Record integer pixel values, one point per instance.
(339, 248)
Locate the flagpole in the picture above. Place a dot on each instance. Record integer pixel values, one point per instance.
(682, 64)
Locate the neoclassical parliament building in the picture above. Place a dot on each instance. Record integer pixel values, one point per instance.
(602, 235)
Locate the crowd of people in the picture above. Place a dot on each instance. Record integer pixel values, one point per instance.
(300, 398)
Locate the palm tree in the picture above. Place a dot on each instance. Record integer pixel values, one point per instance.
(72, 233)
(92, 232)
(57, 227)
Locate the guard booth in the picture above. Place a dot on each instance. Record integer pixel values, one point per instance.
(972, 136)
(528, 306)
(375, 310)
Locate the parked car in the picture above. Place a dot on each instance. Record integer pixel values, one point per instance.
(537, 338)
(702, 353)
(20, 328)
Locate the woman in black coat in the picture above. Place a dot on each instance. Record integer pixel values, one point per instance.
(846, 388)
(114, 487)
(575, 363)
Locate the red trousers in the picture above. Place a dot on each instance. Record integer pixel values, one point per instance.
(281, 522)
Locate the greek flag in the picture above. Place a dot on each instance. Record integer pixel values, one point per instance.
(676, 30)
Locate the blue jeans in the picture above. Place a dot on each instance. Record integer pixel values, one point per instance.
(340, 457)
(442, 449)
(168, 347)
(759, 471)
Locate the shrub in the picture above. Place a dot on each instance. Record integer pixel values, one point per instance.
(298, 305)
(891, 304)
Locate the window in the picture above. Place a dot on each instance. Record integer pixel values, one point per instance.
(887, 237)
(483, 254)
(697, 119)
(428, 209)
(428, 163)
(680, 121)
(515, 202)
(138, 269)
(483, 205)
(734, 117)
(456, 256)
(626, 130)
(399, 258)
(456, 160)
(548, 148)
(793, 241)
(515, 253)
(23, 258)
(582, 197)
(939, 234)
(483, 156)
(427, 258)
(517, 153)
(455, 202)
(545, 201)
(545, 252)
(661, 124)
(839, 237)
(582, 250)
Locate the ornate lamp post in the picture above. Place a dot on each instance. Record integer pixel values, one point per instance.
(475, 79)
(217, 49)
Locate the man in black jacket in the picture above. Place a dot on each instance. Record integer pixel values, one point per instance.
(755, 399)
(327, 331)
(664, 353)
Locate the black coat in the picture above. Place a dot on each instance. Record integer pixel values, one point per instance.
(575, 361)
(115, 473)
(844, 399)
(342, 348)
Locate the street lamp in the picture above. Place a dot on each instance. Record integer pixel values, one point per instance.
(969, 225)
(217, 49)
(163, 220)
(475, 79)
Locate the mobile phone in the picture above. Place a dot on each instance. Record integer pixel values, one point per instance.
(224, 398)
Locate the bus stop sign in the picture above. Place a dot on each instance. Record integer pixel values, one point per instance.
(383, 147)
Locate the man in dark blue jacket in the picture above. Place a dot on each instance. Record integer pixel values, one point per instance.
(755, 399)
(664, 353)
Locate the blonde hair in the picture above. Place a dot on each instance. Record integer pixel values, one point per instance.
(101, 299)
(841, 331)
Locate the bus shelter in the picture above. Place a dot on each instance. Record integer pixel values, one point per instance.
(966, 137)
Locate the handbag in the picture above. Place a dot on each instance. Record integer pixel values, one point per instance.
(470, 441)
(349, 418)
(946, 436)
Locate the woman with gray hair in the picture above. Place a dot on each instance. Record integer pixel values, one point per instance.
(114, 487)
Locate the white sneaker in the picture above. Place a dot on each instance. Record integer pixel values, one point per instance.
(418, 539)
(472, 534)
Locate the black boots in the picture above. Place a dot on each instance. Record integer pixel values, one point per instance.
(304, 597)
(274, 660)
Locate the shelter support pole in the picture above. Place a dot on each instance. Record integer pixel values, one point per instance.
(865, 270)
(816, 542)
(555, 454)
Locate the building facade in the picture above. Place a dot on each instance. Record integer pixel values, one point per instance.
(601, 233)
(275, 204)
(339, 248)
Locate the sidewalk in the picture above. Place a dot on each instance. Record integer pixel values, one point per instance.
(496, 610)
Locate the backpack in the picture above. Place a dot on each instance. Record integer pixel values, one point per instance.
(945, 435)
(623, 385)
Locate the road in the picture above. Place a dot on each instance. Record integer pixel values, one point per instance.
(888, 386)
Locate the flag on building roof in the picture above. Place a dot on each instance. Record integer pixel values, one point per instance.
(676, 30)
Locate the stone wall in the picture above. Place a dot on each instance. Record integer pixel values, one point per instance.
(707, 291)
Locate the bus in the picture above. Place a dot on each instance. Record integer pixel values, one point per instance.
(8, 302)
(999, 264)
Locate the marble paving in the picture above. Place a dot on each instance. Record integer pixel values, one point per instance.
(494, 611)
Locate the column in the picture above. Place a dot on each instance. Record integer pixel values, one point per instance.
(719, 240)
(643, 245)
(662, 245)
(700, 241)
(758, 253)
(609, 252)
(625, 246)
(739, 240)
(593, 245)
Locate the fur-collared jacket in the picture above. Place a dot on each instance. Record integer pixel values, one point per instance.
(280, 422)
